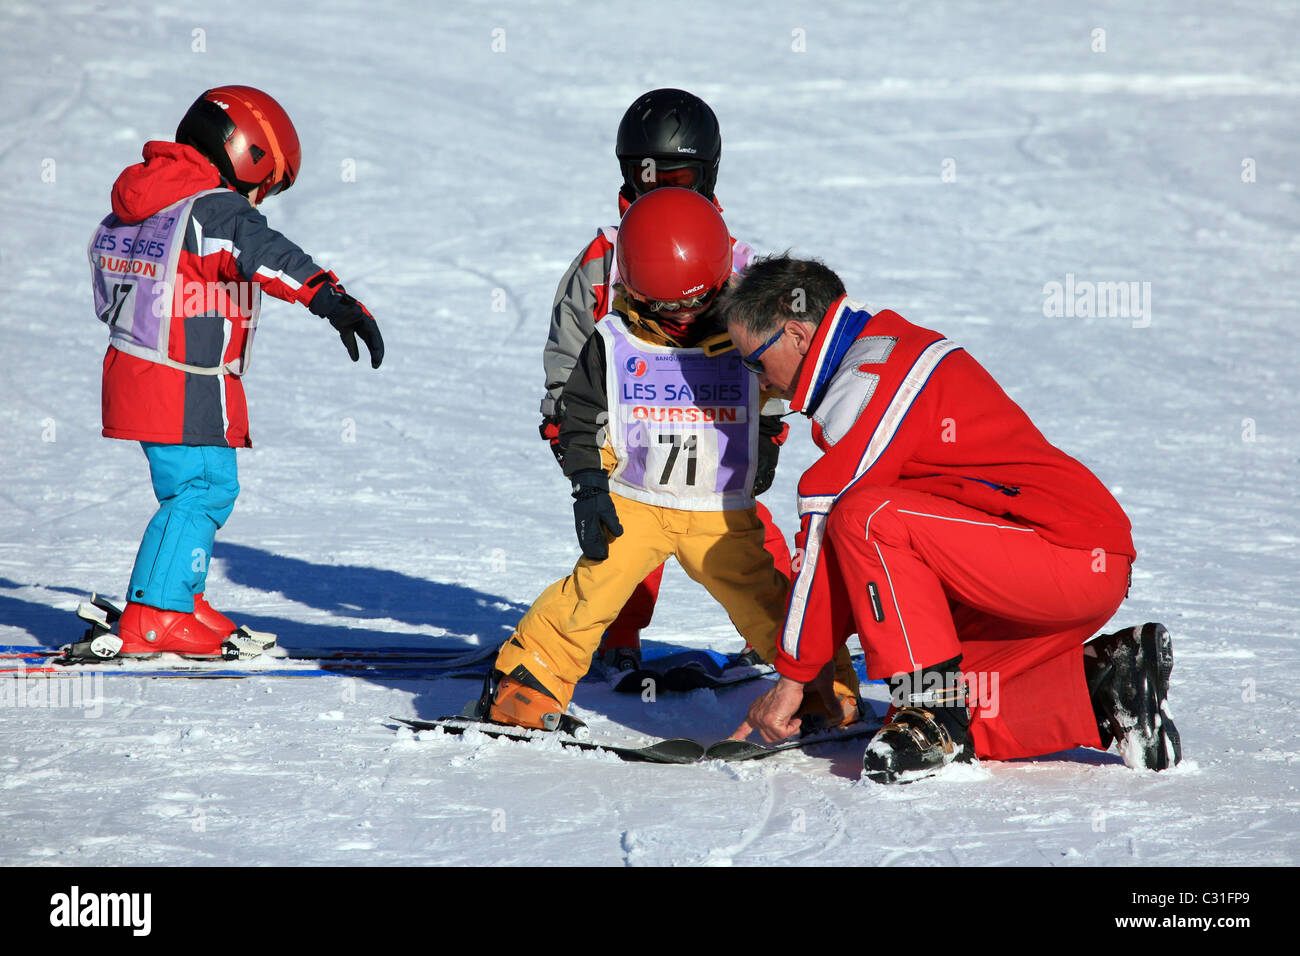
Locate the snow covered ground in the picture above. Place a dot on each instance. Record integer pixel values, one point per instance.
(949, 160)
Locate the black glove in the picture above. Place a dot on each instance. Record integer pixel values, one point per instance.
(348, 316)
(352, 318)
(593, 513)
(772, 433)
(549, 429)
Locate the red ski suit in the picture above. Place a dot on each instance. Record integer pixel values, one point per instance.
(940, 522)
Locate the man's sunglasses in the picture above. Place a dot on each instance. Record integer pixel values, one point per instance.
(751, 361)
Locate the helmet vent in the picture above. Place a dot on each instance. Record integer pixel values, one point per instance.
(257, 153)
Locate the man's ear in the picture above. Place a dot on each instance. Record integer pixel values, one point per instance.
(803, 334)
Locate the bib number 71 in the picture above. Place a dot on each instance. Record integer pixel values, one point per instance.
(680, 443)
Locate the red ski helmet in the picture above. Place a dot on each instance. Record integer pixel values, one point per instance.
(673, 247)
(247, 135)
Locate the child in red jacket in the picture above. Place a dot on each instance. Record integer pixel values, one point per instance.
(178, 269)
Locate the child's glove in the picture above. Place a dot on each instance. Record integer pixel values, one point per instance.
(352, 318)
(772, 433)
(549, 429)
(593, 513)
(348, 316)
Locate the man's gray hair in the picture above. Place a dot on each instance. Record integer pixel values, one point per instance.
(775, 289)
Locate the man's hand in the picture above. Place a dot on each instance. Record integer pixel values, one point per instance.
(772, 715)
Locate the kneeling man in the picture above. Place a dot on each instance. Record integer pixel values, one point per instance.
(972, 557)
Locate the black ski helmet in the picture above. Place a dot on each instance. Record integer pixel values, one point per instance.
(677, 130)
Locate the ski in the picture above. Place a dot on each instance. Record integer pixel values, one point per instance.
(635, 681)
(704, 672)
(434, 658)
(390, 663)
(100, 643)
(688, 670)
(250, 653)
(736, 750)
(178, 667)
(678, 750)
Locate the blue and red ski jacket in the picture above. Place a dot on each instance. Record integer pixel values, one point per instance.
(228, 256)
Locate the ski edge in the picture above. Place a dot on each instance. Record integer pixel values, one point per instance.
(734, 751)
(677, 750)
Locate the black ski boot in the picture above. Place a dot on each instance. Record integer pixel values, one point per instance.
(928, 729)
(618, 660)
(1128, 681)
(749, 657)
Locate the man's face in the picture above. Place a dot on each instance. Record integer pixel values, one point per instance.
(781, 360)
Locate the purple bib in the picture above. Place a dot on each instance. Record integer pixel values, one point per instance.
(133, 270)
(683, 423)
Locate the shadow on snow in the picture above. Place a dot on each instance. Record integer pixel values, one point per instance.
(346, 590)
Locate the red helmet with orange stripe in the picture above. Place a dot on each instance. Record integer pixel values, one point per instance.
(247, 135)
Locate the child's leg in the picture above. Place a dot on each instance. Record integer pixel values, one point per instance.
(636, 613)
(196, 487)
(728, 553)
(555, 639)
(774, 540)
(724, 551)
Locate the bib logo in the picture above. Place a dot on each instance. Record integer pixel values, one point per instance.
(103, 909)
(635, 367)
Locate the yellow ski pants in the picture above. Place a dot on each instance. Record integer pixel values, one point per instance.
(722, 550)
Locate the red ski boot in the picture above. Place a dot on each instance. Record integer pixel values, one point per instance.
(246, 642)
(211, 618)
(146, 630)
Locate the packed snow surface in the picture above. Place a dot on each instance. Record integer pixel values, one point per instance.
(982, 169)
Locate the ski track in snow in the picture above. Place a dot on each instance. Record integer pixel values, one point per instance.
(416, 504)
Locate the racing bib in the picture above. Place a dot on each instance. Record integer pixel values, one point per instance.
(683, 423)
(133, 270)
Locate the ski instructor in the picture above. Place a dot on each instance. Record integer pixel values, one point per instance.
(973, 558)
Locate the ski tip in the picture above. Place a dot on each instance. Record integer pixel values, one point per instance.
(676, 750)
(261, 639)
(733, 750)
